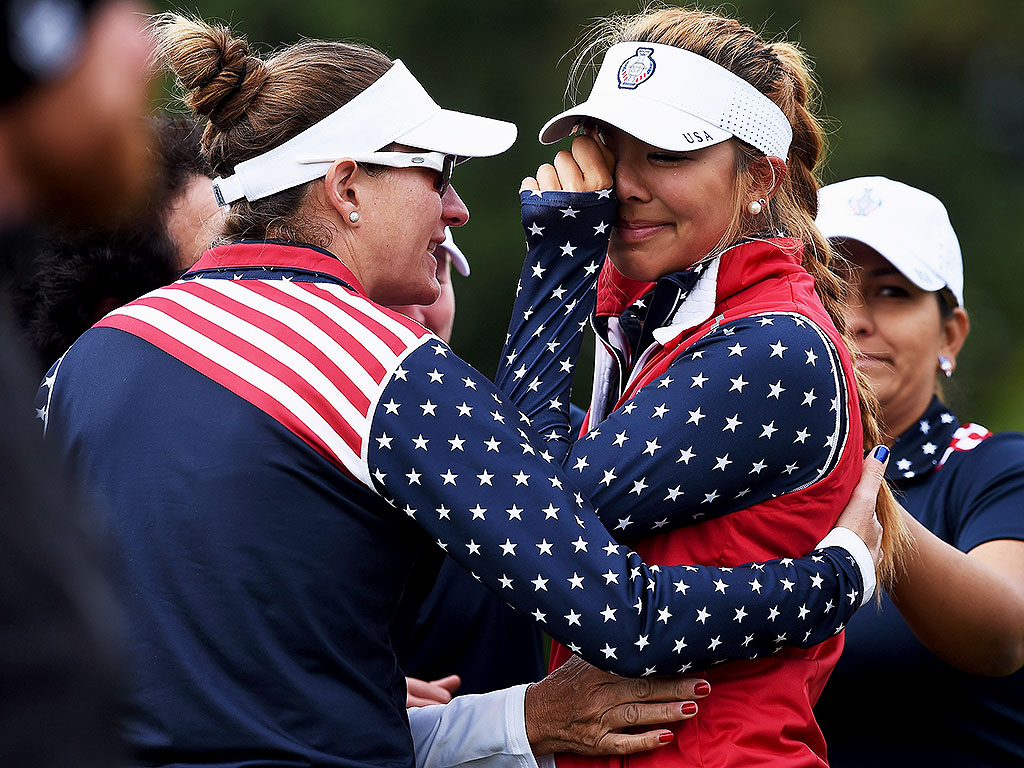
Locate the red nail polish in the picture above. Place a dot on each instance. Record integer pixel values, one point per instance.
(666, 737)
(689, 708)
(702, 689)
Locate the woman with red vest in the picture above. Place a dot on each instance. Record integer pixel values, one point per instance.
(726, 424)
(952, 654)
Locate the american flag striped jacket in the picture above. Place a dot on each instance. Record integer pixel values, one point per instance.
(276, 454)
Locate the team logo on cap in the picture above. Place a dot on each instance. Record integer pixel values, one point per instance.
(636, 69)
(865, 204)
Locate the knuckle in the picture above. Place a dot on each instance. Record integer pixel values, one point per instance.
(642, 688)
(631, 713)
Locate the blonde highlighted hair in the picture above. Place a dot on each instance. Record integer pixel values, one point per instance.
(782, 72)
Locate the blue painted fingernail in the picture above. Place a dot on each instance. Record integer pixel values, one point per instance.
(881, 453)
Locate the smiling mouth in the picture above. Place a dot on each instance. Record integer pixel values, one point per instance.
(637, 231)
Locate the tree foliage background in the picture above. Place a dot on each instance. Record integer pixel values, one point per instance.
(929, 92)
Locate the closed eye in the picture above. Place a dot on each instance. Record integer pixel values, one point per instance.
(667, 157)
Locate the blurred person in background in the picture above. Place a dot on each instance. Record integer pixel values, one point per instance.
(945, 665)
(72, 279)
(72, 150)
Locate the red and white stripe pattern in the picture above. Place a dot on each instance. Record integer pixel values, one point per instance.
(966, 438)
(312, 355)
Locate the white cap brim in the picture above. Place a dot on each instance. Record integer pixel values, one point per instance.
(462, 134)
(654, 123)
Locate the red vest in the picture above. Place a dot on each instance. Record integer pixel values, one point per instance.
(759, 712)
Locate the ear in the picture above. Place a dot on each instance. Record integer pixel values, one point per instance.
(954, 333)
(767, 174)
(343, 189)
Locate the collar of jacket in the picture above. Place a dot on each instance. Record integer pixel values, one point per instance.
(268, 254)
(922, 447)
(687, 298)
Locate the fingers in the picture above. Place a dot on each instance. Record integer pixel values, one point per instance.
(668, 689)
(628, 743)
(547, 178)
(587, 167)
(421, 693)
(859, 514)
(569, 174)
(450, 683)
(595, 163)
(871, 476)
(529, 185)
(636, 713)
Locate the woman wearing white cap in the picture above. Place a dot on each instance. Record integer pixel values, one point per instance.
(724, 424)
(279, 454)
(962, 594)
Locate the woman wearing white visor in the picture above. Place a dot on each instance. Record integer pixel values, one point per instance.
(724, 425)
(279, 454)
(943, 658)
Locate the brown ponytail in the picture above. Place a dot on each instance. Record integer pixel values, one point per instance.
(782, 73)
(255, 104)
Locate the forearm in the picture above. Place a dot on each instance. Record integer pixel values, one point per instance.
(567, 237)
(966, 611)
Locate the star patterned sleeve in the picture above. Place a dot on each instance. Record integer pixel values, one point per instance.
(449, 451)
(567, 237)
(756, 409)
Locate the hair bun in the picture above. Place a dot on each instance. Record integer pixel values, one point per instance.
(220, 77)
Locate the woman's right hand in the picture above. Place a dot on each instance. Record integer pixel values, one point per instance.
(588, 167)
(859, 514)
(578, 708)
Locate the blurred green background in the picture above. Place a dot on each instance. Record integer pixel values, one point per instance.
(929, 92)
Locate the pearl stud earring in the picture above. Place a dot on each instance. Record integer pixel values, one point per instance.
(754, 207)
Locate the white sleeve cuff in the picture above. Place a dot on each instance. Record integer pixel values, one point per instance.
(487, 730)
(854, 544)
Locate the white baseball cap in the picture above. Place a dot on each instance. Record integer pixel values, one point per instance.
(395, 108)
(907, 226)
(459, 260)
(676, 100)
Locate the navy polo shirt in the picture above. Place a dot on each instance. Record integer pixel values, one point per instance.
(890, 701)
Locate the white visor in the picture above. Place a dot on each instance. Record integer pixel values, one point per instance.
(676, 100)
(395, 108)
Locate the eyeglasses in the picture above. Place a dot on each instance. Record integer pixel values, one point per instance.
(437, 161)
